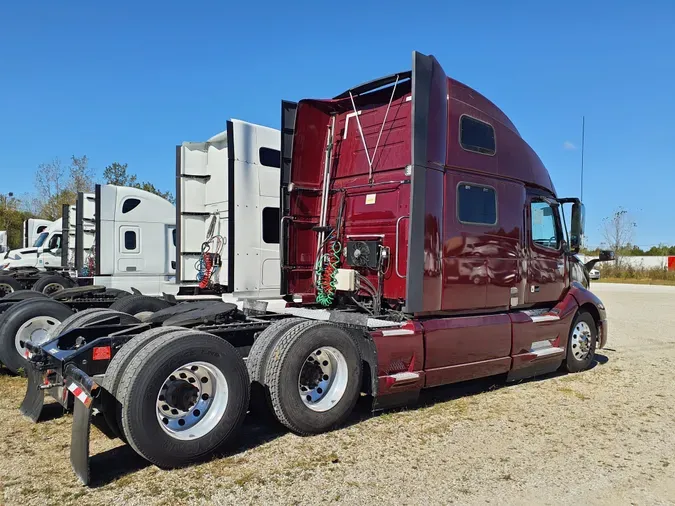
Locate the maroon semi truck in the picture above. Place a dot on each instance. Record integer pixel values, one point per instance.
(422, 244)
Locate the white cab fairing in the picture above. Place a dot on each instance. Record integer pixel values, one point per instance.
(135, 236)
(234, 178)
(31, 230)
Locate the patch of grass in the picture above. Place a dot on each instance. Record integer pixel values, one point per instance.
(246, 478)
(179, 493)
(573, 393)
(637, 281)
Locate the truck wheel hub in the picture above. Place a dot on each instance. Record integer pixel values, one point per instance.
(36, 330)
(5, 289)
(581, 340)
(192, 400)
(323, 379)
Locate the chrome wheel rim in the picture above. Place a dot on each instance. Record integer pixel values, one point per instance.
(52, 288)
(5, 289)
(323, 377)
(581, 341)
(36, 330)
(192, 400)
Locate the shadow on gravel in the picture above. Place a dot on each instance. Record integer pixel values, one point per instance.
(113, 464)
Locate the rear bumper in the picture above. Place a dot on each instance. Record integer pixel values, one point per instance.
(602, 333)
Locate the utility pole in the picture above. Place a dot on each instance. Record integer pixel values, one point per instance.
(583, 128)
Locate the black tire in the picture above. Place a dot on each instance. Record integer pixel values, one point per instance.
(256, 362)
(4, 306)
(12, 320)
(285, 363)
(89, 316)
(8, 285)
(116, 293)
(112, 408)
(23, 295)
(141, 384)
(572, 362)
(133, 304)
(79, 291)
(52, 282)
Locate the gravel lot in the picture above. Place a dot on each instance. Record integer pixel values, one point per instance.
(604, 436)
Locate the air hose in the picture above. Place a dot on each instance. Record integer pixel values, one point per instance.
(326, 272)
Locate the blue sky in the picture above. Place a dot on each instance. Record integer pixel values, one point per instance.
(127, 81)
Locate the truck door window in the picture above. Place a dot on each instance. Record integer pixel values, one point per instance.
(544, 228)
(54, 242)
(476, 204)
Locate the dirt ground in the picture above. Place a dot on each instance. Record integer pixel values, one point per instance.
(604, 436)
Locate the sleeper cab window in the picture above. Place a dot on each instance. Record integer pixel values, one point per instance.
(477, 136)
(130, 241)
(271, 225)
(476, 204)
(544, 229)
(270, 157)
(129, 205)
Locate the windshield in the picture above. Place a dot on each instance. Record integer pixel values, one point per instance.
(41, 239)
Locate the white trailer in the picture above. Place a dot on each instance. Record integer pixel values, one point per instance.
(3, 241)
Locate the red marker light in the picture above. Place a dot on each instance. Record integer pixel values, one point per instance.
(101, 353)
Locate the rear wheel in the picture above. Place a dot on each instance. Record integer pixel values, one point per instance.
(30, 320)
(90, 316)
(314, 377)
(8, 285)
(581, 342)
(135, 304)
(52, 283)
(23, 295)
(256, 363)
(112, 411)
(183, 396)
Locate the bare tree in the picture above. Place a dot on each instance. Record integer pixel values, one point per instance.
(56, 184)
(618, 231)
(81, 175)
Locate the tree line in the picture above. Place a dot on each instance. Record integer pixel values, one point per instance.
(57, 183)
(618, 231)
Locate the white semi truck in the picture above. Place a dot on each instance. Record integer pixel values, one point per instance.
(3, 241)
(135, 246)
(32, 228)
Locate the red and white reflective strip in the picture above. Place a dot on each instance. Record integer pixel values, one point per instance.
(80, 394)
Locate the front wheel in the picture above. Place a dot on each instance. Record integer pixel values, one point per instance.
(581, 342)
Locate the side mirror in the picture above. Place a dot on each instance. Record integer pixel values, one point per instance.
(606, 256)
(577, 226)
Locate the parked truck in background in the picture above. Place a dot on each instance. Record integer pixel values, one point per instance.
(422, 243)
(32, 228)
(124, 239)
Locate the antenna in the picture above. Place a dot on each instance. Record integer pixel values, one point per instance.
(583, 128)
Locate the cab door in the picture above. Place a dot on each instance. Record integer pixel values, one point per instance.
(546, 259)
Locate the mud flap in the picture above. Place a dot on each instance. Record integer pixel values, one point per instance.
(79, 444)
(35, 396)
